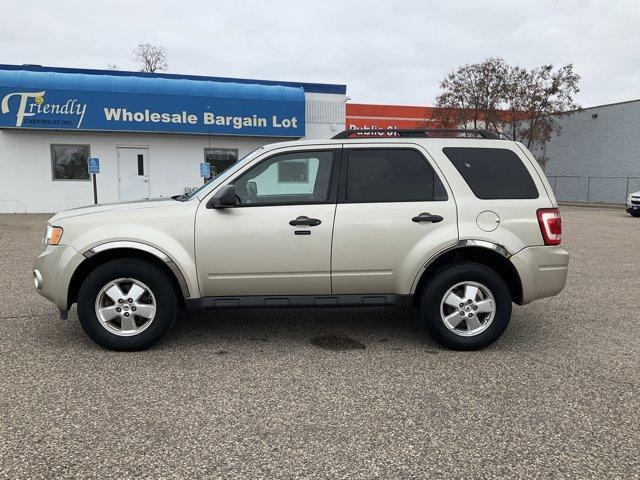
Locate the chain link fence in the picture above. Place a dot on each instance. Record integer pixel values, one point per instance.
(574, 188)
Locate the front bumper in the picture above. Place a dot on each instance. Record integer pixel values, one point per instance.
(52, 272)
(543, 271)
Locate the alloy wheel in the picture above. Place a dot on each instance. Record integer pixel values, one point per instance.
(468, 308)
(125, 307)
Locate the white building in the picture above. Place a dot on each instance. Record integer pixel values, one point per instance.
(150, 132)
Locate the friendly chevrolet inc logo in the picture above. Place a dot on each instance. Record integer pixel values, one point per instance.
(34, 111)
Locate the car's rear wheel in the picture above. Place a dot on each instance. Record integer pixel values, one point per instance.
(127, 304)
(466, 306)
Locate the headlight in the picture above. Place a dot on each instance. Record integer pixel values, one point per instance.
(52, 236)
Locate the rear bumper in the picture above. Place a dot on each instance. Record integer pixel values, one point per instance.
(543, 271)
(52, 272)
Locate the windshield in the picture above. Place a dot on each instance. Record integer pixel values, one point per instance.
(214, 182)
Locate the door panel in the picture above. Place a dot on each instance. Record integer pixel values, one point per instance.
(255, 251)
(378, 247)
(133, 173)
(262, 247)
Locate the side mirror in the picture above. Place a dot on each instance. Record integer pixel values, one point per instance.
(223, 198)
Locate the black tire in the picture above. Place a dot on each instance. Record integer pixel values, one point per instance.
(446, 278)
(145, 272)
(634, 214)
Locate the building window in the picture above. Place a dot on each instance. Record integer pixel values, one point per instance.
(69, 162)
(220, 159)
(294, 171)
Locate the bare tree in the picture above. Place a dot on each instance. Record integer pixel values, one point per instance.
(151, 58)
(525, 104)
(544, 96)
(472, 94)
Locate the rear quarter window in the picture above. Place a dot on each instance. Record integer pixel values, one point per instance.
(493, 173)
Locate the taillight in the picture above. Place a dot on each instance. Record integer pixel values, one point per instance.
(550, 225)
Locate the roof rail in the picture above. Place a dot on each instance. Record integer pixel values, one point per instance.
(417, 132)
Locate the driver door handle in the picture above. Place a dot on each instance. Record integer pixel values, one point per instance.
(311, 222)
(427, 217)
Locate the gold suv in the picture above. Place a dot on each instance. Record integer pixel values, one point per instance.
(458, 226)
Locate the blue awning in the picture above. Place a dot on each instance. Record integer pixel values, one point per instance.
(329, 88)
(159, 86)
(131, 103)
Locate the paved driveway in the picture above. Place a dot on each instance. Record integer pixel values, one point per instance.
(258, 394)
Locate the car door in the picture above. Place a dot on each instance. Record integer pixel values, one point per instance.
(277, 239)
(393, 214)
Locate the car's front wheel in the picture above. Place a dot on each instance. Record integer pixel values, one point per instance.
(466, 306)
(127, 304)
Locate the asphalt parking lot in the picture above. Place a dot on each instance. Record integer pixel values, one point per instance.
(257, 394)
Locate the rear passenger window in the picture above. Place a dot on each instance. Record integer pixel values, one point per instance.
(391, 175)
(493, 173)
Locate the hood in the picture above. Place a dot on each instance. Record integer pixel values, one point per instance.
(110, 207)
(635, 194)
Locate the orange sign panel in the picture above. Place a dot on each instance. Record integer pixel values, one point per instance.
(362, 116)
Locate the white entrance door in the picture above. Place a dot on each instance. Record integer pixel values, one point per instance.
(133, 173)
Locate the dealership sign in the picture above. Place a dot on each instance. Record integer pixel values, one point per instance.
(257, 115)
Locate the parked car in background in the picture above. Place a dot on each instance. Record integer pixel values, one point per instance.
(459, 228)
(633, 204)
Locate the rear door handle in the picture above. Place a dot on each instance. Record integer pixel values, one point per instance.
(311, 222)
(427, 217)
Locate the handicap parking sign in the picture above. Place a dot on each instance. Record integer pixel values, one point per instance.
(205, 170)
(93, 165)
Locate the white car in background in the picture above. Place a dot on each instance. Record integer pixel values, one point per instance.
(633, 204)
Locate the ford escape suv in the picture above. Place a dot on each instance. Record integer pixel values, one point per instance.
(459, 225)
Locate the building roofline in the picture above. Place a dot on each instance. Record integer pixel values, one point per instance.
(308, 87)
(603, 105)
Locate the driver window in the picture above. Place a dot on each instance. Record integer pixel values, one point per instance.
(290, 178)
